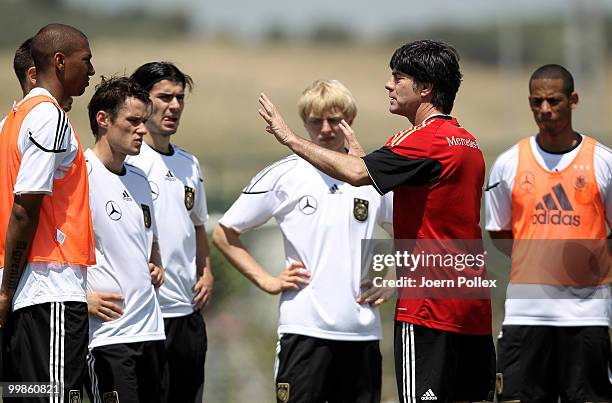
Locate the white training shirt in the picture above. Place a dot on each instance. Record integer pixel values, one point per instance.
(121, 208)
(179, 198)
(316, 215)
(545, 308)
(48, 147)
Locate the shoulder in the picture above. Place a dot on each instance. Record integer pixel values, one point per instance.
(415, 134)
(269, 177)
(506, 160)
(603, 154)
(184, 155)
(136, 172)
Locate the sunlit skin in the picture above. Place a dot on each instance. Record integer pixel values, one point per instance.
(552, 111)
(168, 102)
(77, 69)
(121, 136)
(408, 98)
(325, 130)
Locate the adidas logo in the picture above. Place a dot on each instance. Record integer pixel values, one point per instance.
(126, 196)
(555, 212)
(334, 189)
(429, 395)
(170, 176)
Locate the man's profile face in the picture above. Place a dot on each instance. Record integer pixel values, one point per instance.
(404, 98)
(78, 69)
(325, 130)
(550, 105)
(168, 102)
(125, 132)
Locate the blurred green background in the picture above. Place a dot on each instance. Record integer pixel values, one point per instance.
(238, 49)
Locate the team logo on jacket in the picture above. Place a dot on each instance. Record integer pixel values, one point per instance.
(555, 209)
(113, 210)
(282, 392)
(307, 204)
(111, 397)
(74, 396)
(527, 182)
(360, 209)
(146, 213)
(189, 197)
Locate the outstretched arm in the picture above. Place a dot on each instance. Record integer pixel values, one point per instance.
(228, 242)
(345, 167)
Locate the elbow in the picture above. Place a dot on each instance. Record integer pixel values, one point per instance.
(218, 237)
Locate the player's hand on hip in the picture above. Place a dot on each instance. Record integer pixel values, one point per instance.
(157, 275)
(203, 289)
(351, 140)
(276, 123)
(293, 277)
(101, 305)
(375, 296)
(5, 308)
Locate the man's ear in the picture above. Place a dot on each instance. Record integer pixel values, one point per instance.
(103, 119)
(31, 76)
(573, 100)
(425, 89)
(59, 60)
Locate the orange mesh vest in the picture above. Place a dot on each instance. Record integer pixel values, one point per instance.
(558, 222)
(65, 230)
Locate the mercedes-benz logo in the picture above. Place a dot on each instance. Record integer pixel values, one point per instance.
(113, 210)
(154, 190)
(308, 204)
(527, 182)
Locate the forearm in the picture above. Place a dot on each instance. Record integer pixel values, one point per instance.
(228, 242)
(345, 167)
(203, 265)
(20, 233)
(155, 254)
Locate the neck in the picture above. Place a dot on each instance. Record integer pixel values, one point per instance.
(158, 142)
(112, 160)
(54, 87)
(557, 142)
(424, 111)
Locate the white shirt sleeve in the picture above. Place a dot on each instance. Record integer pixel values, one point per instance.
(498, 192)
(44, 140)
(199, 212)
(260, 200)
(385, 218)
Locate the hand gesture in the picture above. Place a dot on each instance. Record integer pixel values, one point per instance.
(375, 296)
(100, 305)
(203, 289)
(292, 278)
(353, 145)
(157, 275)
(276, 123)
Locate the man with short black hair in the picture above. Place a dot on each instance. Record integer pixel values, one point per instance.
(127, 359)
(179, 197)
(46, 233)
(545, 195)
(443, 346)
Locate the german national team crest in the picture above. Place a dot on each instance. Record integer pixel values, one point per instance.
(110, 397)
(75, 396)
(146, 213)
(189, 197)
(360, 209)
(282, 392)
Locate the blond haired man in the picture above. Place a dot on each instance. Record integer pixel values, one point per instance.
(328, 329)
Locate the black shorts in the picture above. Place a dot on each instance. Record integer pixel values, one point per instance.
(441, 366)
(128, 372)
(186, 345)
(313, 370)
(543, 363)
(48, 343)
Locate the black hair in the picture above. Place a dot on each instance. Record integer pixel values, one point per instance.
(150, 73)
(554, 71)
(111, 95)
(433, 62)
(54, 38)
(23, 61)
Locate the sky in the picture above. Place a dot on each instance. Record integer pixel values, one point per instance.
(367, 18)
